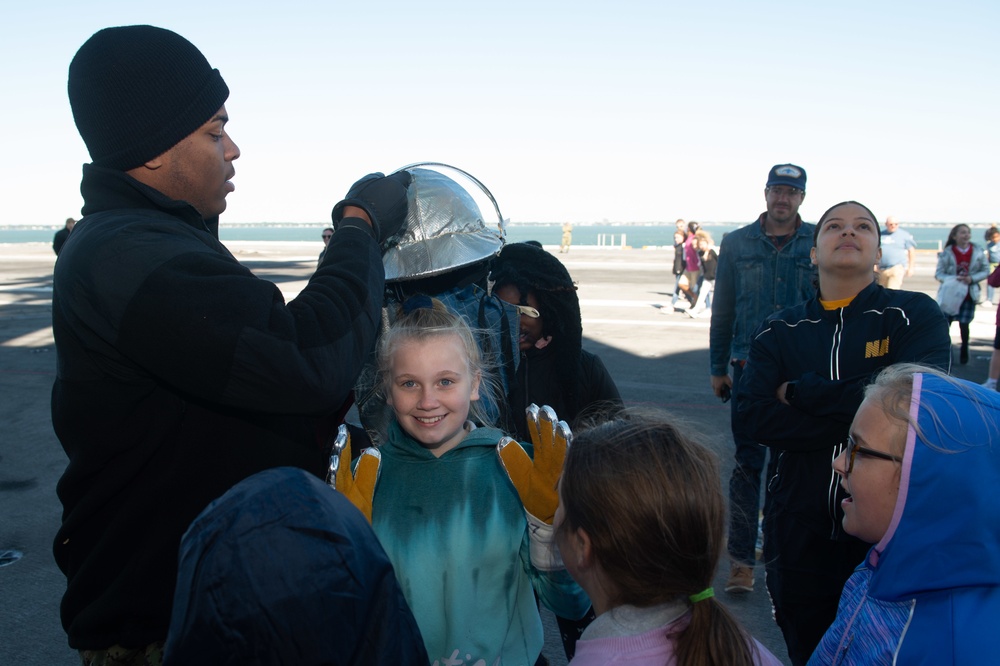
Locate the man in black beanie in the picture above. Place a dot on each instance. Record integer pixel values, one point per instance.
(180, 373)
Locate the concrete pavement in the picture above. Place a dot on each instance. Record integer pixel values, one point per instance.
(656, 359)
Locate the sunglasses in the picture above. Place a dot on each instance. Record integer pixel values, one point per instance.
(528, 311)
(856, 448)
(785, 191)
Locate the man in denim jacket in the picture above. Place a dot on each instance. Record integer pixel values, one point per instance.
(763, 267)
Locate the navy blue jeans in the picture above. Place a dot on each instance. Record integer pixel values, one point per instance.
(744, 489)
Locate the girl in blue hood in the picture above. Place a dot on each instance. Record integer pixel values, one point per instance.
(922, 468)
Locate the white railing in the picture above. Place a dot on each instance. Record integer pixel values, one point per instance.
(608, 240)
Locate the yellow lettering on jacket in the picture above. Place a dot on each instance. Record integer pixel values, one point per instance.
(876, 348)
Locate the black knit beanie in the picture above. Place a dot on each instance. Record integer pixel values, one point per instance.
(136, 91)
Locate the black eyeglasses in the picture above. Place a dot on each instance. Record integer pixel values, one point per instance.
(854, 448)
(327, 235)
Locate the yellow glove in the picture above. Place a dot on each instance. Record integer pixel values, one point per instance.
(359, 487)
(536, 479)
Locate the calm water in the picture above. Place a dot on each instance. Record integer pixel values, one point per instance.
(927, 235)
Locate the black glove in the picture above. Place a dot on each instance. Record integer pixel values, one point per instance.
(383, 198)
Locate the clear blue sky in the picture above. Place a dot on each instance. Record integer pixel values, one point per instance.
(581, 111)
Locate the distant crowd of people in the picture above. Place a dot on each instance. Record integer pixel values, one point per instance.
(217, 510)
(695, 260)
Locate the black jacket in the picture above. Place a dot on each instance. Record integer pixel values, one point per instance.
(540, 382)
(709, 264)
(832, 355)
(179, 374)
(59, 240)
(678, 258)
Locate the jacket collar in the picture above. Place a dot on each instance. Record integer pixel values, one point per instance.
(405, 447)
(757, 228)
(108, 189)
(860, 302)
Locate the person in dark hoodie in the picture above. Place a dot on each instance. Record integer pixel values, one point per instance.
(180, 373)
(800, 389)
(283, 569)
(554, 368)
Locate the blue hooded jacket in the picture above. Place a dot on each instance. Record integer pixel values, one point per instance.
(929, 591)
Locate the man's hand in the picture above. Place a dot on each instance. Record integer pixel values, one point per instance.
(722, 385)
(383, 198)
(360, 486)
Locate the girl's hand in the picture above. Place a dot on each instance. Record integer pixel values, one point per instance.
(360, 486)
(536, 480)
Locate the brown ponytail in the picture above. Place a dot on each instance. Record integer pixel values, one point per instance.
(714, 638)
(651, 500)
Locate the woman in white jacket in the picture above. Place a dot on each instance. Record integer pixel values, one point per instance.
(968, 263)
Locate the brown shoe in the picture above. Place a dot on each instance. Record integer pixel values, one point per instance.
(740, 578)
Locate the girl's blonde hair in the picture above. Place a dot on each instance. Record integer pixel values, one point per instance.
(892, 391)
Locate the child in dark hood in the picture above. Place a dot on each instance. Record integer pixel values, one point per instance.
(282, 569)
(554, 370)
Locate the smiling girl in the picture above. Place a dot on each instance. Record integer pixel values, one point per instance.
(450, 519)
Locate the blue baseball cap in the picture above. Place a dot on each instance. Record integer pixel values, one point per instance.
(787, 174)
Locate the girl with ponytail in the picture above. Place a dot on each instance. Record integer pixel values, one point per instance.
(640, 526)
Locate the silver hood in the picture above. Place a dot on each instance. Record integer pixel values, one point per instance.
(445, 227)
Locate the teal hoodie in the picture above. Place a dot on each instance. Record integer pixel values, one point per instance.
(455, 531)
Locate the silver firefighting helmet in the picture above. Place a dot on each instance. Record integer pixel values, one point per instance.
(445, 227)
